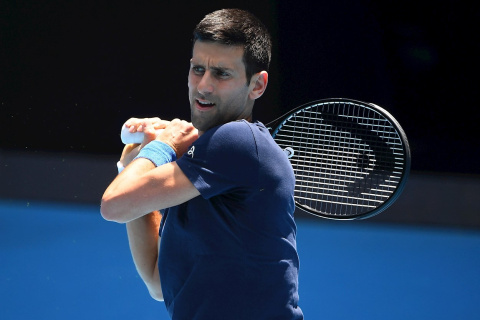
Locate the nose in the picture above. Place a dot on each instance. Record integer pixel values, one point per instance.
(205, 85)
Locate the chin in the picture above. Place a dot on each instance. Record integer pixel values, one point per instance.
(199, 124)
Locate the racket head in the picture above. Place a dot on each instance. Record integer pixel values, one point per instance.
(351, 159)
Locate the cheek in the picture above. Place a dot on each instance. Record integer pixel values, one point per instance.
(232, 90)
(238, 95)
(190, 81)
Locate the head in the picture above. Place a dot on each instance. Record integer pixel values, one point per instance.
(229, 67)
(235, 27)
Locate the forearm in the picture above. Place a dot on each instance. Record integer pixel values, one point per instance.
(142, 188)
(116, 204)
(153, 181)
(144, 245)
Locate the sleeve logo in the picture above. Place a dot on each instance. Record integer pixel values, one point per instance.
(191, 151)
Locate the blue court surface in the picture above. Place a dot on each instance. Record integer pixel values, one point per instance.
(63, 261)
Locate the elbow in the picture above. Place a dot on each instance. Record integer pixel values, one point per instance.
(110, 211)
(155, 291)
(154, 285)
(156, 295)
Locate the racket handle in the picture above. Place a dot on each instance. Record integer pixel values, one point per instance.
(136, 137)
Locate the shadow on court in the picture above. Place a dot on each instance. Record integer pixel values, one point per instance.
(63, 261)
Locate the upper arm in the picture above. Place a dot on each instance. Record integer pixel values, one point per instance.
(138, 194)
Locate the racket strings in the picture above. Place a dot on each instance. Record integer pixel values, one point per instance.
(341, 168)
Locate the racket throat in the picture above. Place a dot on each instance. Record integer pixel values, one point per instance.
(289, 152)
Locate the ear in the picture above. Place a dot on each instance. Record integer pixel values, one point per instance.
(258, 85)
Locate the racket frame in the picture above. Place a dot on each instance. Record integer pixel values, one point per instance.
(275, 125)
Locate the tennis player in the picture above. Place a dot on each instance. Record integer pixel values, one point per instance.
(223, 187)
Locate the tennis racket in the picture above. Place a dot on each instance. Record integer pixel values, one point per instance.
(351, 159)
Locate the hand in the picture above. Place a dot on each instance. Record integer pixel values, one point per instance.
(178, 134)
(130, 151)
(138, 124)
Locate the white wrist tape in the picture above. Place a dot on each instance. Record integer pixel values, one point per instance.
(136, 137)
(120, 167)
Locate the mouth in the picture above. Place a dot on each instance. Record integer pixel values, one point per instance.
(203, 105)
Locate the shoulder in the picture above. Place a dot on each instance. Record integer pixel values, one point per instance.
(222, 158)
(232, 129)
(233, 134)
(240, 130)
(233, 140)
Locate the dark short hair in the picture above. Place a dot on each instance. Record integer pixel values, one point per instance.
(238, 27)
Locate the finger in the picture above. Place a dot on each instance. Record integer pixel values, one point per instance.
(194, 131)
(133, 124)
(155, 120)
(128, 122)
(161, 124)
(149, 132)
(187, 127)
(190, 126)
(129, 147)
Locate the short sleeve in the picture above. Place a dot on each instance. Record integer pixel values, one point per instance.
(223, 159)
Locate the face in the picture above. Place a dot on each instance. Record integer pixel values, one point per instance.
(217, 85)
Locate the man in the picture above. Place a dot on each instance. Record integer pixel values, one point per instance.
(228, 248)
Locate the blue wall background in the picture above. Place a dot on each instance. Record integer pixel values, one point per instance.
(64, 262)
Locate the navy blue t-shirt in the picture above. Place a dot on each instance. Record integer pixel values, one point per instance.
(231, 252)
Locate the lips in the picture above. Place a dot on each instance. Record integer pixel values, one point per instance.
(204, 105)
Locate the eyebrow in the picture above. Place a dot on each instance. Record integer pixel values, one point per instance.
(214, 68)
(221, 69)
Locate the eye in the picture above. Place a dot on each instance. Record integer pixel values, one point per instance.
(198, 70)
(222, 74)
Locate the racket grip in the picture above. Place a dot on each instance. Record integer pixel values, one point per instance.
(136, 137)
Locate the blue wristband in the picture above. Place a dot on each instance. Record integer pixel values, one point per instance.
(157, 152)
